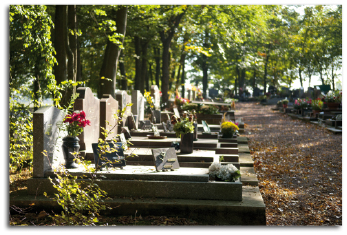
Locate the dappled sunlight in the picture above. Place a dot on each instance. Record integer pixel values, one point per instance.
(299, 168)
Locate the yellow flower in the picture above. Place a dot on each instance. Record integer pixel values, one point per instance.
(229, 125)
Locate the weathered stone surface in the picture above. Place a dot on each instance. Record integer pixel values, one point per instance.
(156, 96)
(108, 110)
(47, 137)
(91, 106)
(138, 107)
(165, 159)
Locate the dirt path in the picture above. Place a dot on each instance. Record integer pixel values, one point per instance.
(298, 164)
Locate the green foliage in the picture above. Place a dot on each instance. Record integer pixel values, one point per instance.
(20, 131)
(201, 109)
(81, 203)
(183, 127)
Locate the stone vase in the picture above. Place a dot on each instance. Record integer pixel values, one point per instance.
(70, 145)
(186, 144)
(227, 134)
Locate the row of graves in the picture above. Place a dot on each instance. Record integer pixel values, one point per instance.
(325, 110)
(155, 172)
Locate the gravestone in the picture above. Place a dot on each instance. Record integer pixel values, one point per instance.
(157, 115)
(121, 97)
(126, 132)
(91, 106)
(169, 125)
(113, 159)
(193, 95)
(155, 131)
(156, 96)
(108, 110)
(132, 122)
(138, 107)
(165, 159)
(47, 137)
(189, 94)
(123, 141)
(145, 125)
(177, 114)
(213, 93)
(256, 91)
(206, 128)
(164, 127)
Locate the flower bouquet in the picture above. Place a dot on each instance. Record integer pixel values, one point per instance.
(332, 97)
(226, 172)
(184, 129)
(317, 104)
(229, 129)
(75, 123)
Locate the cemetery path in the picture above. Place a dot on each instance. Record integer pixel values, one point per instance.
(298, 165)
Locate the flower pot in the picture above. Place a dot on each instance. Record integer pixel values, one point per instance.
(70, 145)
(333, 105)
(227, 134)
(186, 144)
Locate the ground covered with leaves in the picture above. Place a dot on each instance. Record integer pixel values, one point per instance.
(298, 165)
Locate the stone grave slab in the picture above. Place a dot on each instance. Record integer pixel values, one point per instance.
(165, 159)
(47, 137)
(177, 114)
(91, 106)
(132, 123)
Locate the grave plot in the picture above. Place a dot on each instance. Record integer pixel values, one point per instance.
(188, 188)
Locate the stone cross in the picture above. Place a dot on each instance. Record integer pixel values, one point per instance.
(108, 110)
(91, 106)
(47, 139)
(156, 96)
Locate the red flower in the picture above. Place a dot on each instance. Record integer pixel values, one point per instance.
(82, 115)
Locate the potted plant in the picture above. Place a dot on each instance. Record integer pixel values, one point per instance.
(317, 106)
(184, 129)
(229, 129)
(279, 103)
(333, 99)
(285, 103)
(75, 123)
(220, 172)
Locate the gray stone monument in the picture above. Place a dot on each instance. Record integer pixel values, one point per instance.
(189, 94)
(156, 96)
(122, 98)
(138, 107)
(108, 110)
(47, 138)
(91, 106)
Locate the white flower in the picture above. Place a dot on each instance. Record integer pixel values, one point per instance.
(214, 168)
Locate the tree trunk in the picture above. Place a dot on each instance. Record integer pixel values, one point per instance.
(60, 46)
(332, 75)
(205, 68)
(300, 77)
(157, 66)
(166, 37)
(122, 71)
(138, 81)
(254, 76)
(144, 69)
(265, 72)
(112, 52)
(183, 80)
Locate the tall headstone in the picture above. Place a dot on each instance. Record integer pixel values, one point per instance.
(156, 96)
(193, 95)
(138, 107)
(91, 106)
(108, 110)
(122, 98)
(47, 139)
(189, 94)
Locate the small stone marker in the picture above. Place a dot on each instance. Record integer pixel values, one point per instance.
(114, 159)
(145, 125)
(126, 132)
(206, 127)
(177, 114)
(123, 141)
(169, 125)
(155, 130)
(164, 126)
(165, 159)
(131, 122)
(156, 114)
